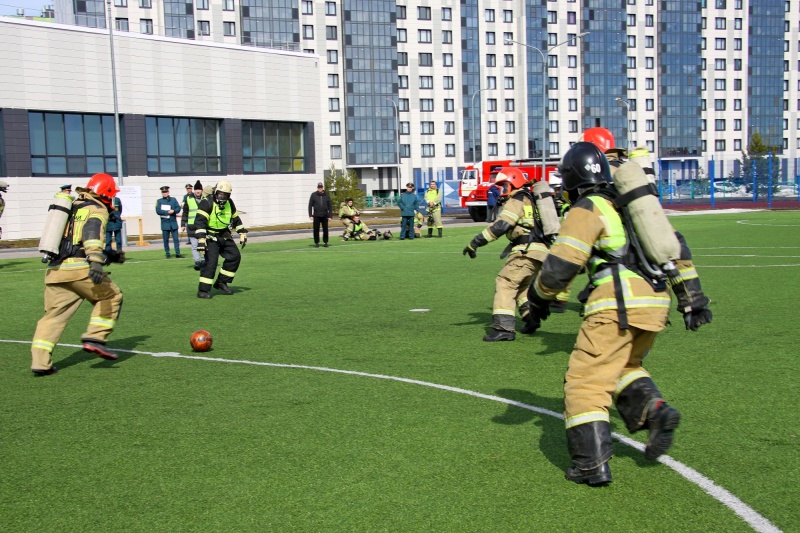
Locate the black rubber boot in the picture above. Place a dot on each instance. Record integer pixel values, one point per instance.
(633, 402)
(203, 294)
(662, 419)
(499, 335)
(222, 286)
(430, 233)
(531, 324)
(440, 232)
(590, 448)
(558, 306)
(48, 372)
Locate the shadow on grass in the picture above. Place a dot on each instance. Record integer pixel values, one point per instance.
(553, 343)
(553, 443)
(80, 356)
(11, 263)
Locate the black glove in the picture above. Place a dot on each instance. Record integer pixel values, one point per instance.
(201, 246)
(202, 263)
(96, 273)
(697, 317)
(470, 251)
(540, 308)
(113, 256)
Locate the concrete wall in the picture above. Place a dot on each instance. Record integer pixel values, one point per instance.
(52, 67)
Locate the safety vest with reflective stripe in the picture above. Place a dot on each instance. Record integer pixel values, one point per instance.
(220, 218)
(191, 202)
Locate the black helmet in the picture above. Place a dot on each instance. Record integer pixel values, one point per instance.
(584, 165)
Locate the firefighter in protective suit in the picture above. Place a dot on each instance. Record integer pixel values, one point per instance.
(528, 245)
(623, 314)
(215, 221)
(77, 275)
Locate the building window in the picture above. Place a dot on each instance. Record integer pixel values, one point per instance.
(145, 4)
(737, 44)
(509, 104)
(491, 82)
(121, 24)
(649, 104)
(203, 27)
(552, 17)
(426, 128)
(720, 23)
(447, 60)
(719, 64)
(424, 36)
(511, 126)
(330, 33)
(120, 3)
(402, 59)
(552, 61)
(425, 60)
(737, 104)
(572, 83)
(737, 24)
(737, 84)
(227, 5)
(423, 13)
(552, 126)
(146, 26)
(508, 60)
(573, 126)
(308, 31)
(492, 149)
(426, 104)
(491, 60)
(649, 125)
(719, 44)
(719, 124)
(737, 64)
(449, 128)
(426, 82)
(447, 13)
(719, 145)
(275, 147)
(67, 144)
(737, 144)
(229, 29)
(631, 62)
(719, 104)
(552, 105)
(201, 4)
(648, 21)
(447, 83)
(631, 41)
(182, 146)
(489, 15)
(719, 4)
(403, 104)
(447, 37)
(490, 37)
(405, 151)
(572, 17)
(405, 128)
(511, 149)
(553, 148)
(428, 150)
(649, 41)
(401, 12)
(336, 151)
(552, 39)
(508, 15)
(333, 80)
(649, 84)
(631, 19)
(335, 128)
(449, 105)
(719, 85)
(333, 104)
(572, 61)
(572, 104)
(307, 7)
(491, 127)
(649, 63)
(508, 82)
(403, 82)
(491, 105)
(450, 150)
(330, 9)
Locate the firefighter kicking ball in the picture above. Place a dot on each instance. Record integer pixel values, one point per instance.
(201, 341)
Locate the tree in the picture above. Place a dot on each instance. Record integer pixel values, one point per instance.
(342, 186)
(755, 165)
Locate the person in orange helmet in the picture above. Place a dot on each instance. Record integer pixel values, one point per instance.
(76, 274)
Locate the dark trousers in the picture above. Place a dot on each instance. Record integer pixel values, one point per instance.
(165, 233)
(491, 213)
(227, 249)
(407, 227)
(323, 221)
(116, 234)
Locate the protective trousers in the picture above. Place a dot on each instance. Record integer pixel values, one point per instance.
(61, 301)
(348, 226)
(231, 256)
(435, 216)
(511, 290)
(604, 357)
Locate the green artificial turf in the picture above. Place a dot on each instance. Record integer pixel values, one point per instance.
(179, 444)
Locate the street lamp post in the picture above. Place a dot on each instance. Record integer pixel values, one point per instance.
(627, 104)
(544, 89)
(397, 145)
(116, 107)
(472, 131)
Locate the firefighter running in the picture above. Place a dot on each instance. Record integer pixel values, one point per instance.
(624, 312)
(520, 221)
(76, 274)
(216, 219)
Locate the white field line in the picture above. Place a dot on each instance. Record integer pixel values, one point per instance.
(759, 523)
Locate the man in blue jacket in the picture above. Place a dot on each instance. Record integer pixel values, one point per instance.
(408, 206)
(491, 203)
(168, 208)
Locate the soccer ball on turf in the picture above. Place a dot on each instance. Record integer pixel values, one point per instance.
(201, 340)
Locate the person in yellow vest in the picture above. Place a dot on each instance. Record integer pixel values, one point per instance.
(77, 275)
(346, 213)
(433, 199)
(623, 314)
(215, 221)
(419, 220)
(188, 215)
(360, 231)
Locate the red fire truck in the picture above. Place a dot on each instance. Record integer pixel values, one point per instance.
(476, 179)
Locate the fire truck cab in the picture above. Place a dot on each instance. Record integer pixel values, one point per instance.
(476, 179)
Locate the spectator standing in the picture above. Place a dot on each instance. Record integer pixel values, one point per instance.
(188, 216)
(491, 202)
(320, 211)
(408, 205)
(168, 208)
(433, 198)
(66, 189)
(189, 193)
(114, 226)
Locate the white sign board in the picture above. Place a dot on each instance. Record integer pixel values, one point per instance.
(131, 198)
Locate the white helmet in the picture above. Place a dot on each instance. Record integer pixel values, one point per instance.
(224, 186)
(222, 193)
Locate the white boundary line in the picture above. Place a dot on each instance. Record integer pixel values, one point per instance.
(745, 512)
(748, 223)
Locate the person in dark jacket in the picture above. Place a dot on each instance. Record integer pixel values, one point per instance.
(167, 209)
(491, 202)
(320, 211)
(408, 206)
(114, 226)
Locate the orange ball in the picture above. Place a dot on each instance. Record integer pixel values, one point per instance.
(201, 340)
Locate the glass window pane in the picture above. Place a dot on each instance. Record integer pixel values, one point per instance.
(272, 165)
(167, 165)
(184, 164)
(182, 136)
(212, 137)
(271, 135)
(299, 165)
(76, 165)
(259, 143)
(152, 138)
(54, 131)
(57, 165)
(93, 134)
(199, 164)
(36, 125)
(259, 165)
(284, 139)
(152, 165)
(214, 164)
(38, 165)
(73, 125)
(247, 165)
(297, 140)
(286, 164)
(94, 165)
(109, 136)
(166, 142)
(111, 165)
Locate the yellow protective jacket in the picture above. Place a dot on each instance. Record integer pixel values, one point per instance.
(83, 241)
(588, 239)
(347, 211)
(516, 221)
(433, 197)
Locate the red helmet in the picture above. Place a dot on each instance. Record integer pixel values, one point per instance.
(600, 137)
(510, 179)
(103, 185)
